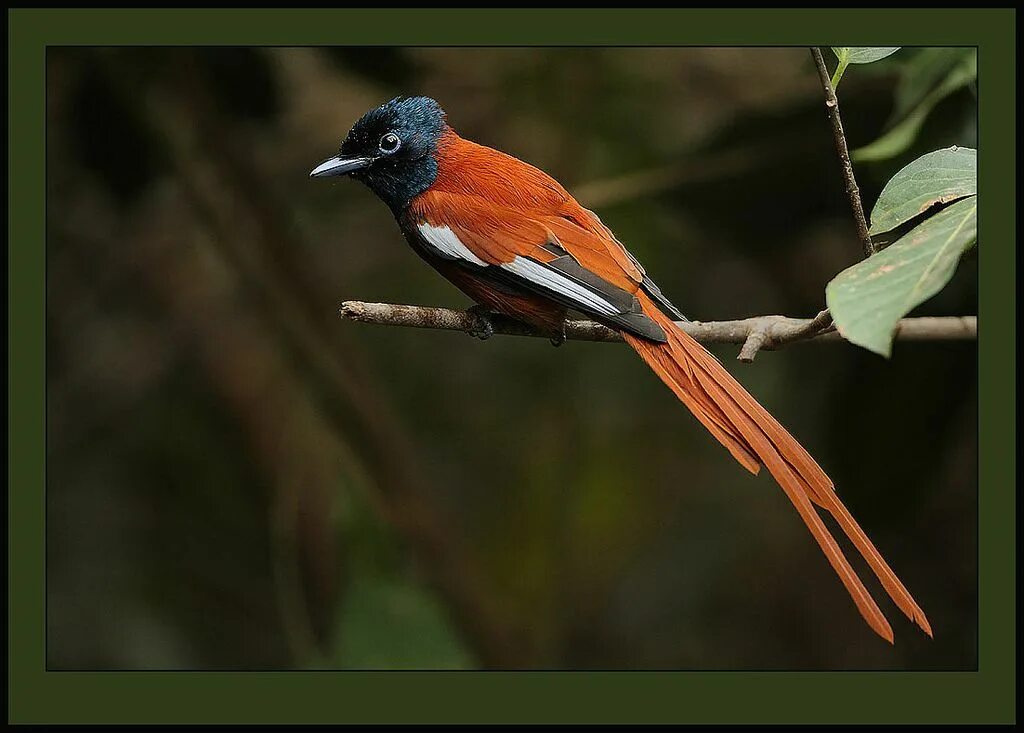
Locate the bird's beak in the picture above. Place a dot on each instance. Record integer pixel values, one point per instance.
(339, 166)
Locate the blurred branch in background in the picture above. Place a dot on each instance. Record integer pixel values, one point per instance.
(756, 333)
(246, 225)
(262, 389)
(648, 182)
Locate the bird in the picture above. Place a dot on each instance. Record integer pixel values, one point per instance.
(517, 243)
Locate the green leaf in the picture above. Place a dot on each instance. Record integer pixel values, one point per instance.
(387, 618)
(903, 134)
(922, 73)
(868, 299)
(935, 178)
(393, 623)
(847, 55)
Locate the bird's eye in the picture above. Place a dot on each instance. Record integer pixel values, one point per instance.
(389, 143)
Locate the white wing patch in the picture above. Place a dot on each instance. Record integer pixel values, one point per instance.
(553, 280)
(445, 241)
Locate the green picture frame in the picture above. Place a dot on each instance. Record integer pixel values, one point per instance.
(40, 696)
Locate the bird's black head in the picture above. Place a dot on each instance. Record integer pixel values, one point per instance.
(391, 150)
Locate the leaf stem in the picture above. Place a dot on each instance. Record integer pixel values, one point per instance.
(838, 74)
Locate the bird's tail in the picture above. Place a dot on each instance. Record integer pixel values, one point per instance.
(756, 439)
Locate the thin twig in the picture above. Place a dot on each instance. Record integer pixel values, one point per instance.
(755, 334)
(769, 332)
(852, 191)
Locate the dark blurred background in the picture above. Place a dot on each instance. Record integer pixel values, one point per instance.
(239, 480)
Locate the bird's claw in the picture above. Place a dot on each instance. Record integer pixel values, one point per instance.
(483, 328)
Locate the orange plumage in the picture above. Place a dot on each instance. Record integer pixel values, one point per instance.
(514, 240)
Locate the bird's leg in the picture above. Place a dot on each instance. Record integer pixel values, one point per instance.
(559, 338)
(483, 328)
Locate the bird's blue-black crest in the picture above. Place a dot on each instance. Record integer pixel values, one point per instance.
(410, 117)
(419, 123)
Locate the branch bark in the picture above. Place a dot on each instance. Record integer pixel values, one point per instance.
(754, 334)
(852, 190)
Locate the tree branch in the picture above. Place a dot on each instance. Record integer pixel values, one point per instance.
(852, 191)
(755, 334)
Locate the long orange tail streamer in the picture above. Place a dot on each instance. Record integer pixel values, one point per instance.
(755, 438)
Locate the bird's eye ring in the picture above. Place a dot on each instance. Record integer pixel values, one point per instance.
(389, 143)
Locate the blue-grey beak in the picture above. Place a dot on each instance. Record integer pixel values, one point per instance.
(339, 166)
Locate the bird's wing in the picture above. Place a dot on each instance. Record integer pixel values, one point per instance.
(551, 253)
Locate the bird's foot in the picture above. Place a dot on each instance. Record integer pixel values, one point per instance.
(483, 328)
(559, 338)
